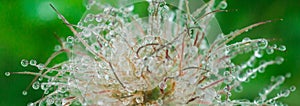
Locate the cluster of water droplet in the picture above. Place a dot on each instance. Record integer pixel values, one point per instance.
(117, 57)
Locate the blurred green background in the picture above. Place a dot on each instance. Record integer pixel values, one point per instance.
(27, 28)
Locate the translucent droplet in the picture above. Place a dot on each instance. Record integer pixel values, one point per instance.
(279, 60)
(125, 102)
(106, 77)
(270, 50)
(32, 62)
(223, 4)
(285, 93)
(86, 33)
(139, 100)
(238, 88)
(24, 62)
(89, 17)
(226, 73)
(261, 70)
(63, 90)
(292, 88)
(30, 104)
(57, 48)
(98, 18)
(162, 85)
(49, 101)
(258, 53)
(24, 92)
(288, 75)
(160, 102)
(7, 73)
(228, 80)
(282, 48)
(70, 39)
(41, 78)
(36, 85)
(246, 39)
(253, 75)
(262, 44)
(41, 66)
(46, 92)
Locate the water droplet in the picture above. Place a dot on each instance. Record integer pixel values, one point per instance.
(41, 66)
(226, 73)
(285, 93)
(223, 4)
(46, 92)
(160, 102)
(57, 48)
(49, 101)
(63, 90)
(288, 75)
(7, 73)
(89, 17)
(262, 44)
(279, 60)
(86, 33)
(261, 70)
(41, 78)
(98, 18)
(129, 8)
(282, 48)
(270, 50)
(70, 39)
(36, 85)
(24, 92)
(139, 99)
(30, 104)
(274, 46)
(228, 80)
(106, 77)
(292, 88)
(32, 62)
(24, 62)
(258, 53)
(253, 75)
(162, 85)
(246, 39)
(238, 88)
(125, 102)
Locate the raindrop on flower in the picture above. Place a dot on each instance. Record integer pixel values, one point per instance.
(139, 99)
(292, 88)
(246, 39)
(258, 53)
(162, 85)
(279, 60)
(282, 48)
(288, 75)
(30, 104)
(70, 39)
(36, 85)
(7, 73)
(238, 88)
(57, 48)
(24, 92)
(270, 50)
(223, 4)
(24, 62)
(32, 62)
(262, 44)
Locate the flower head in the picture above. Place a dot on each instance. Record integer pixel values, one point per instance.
(171, 56)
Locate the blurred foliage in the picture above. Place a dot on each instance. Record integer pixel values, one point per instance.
(27, 28)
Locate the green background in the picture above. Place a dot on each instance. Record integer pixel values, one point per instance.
(27, 27)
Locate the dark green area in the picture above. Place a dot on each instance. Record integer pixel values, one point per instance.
(27, 28)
